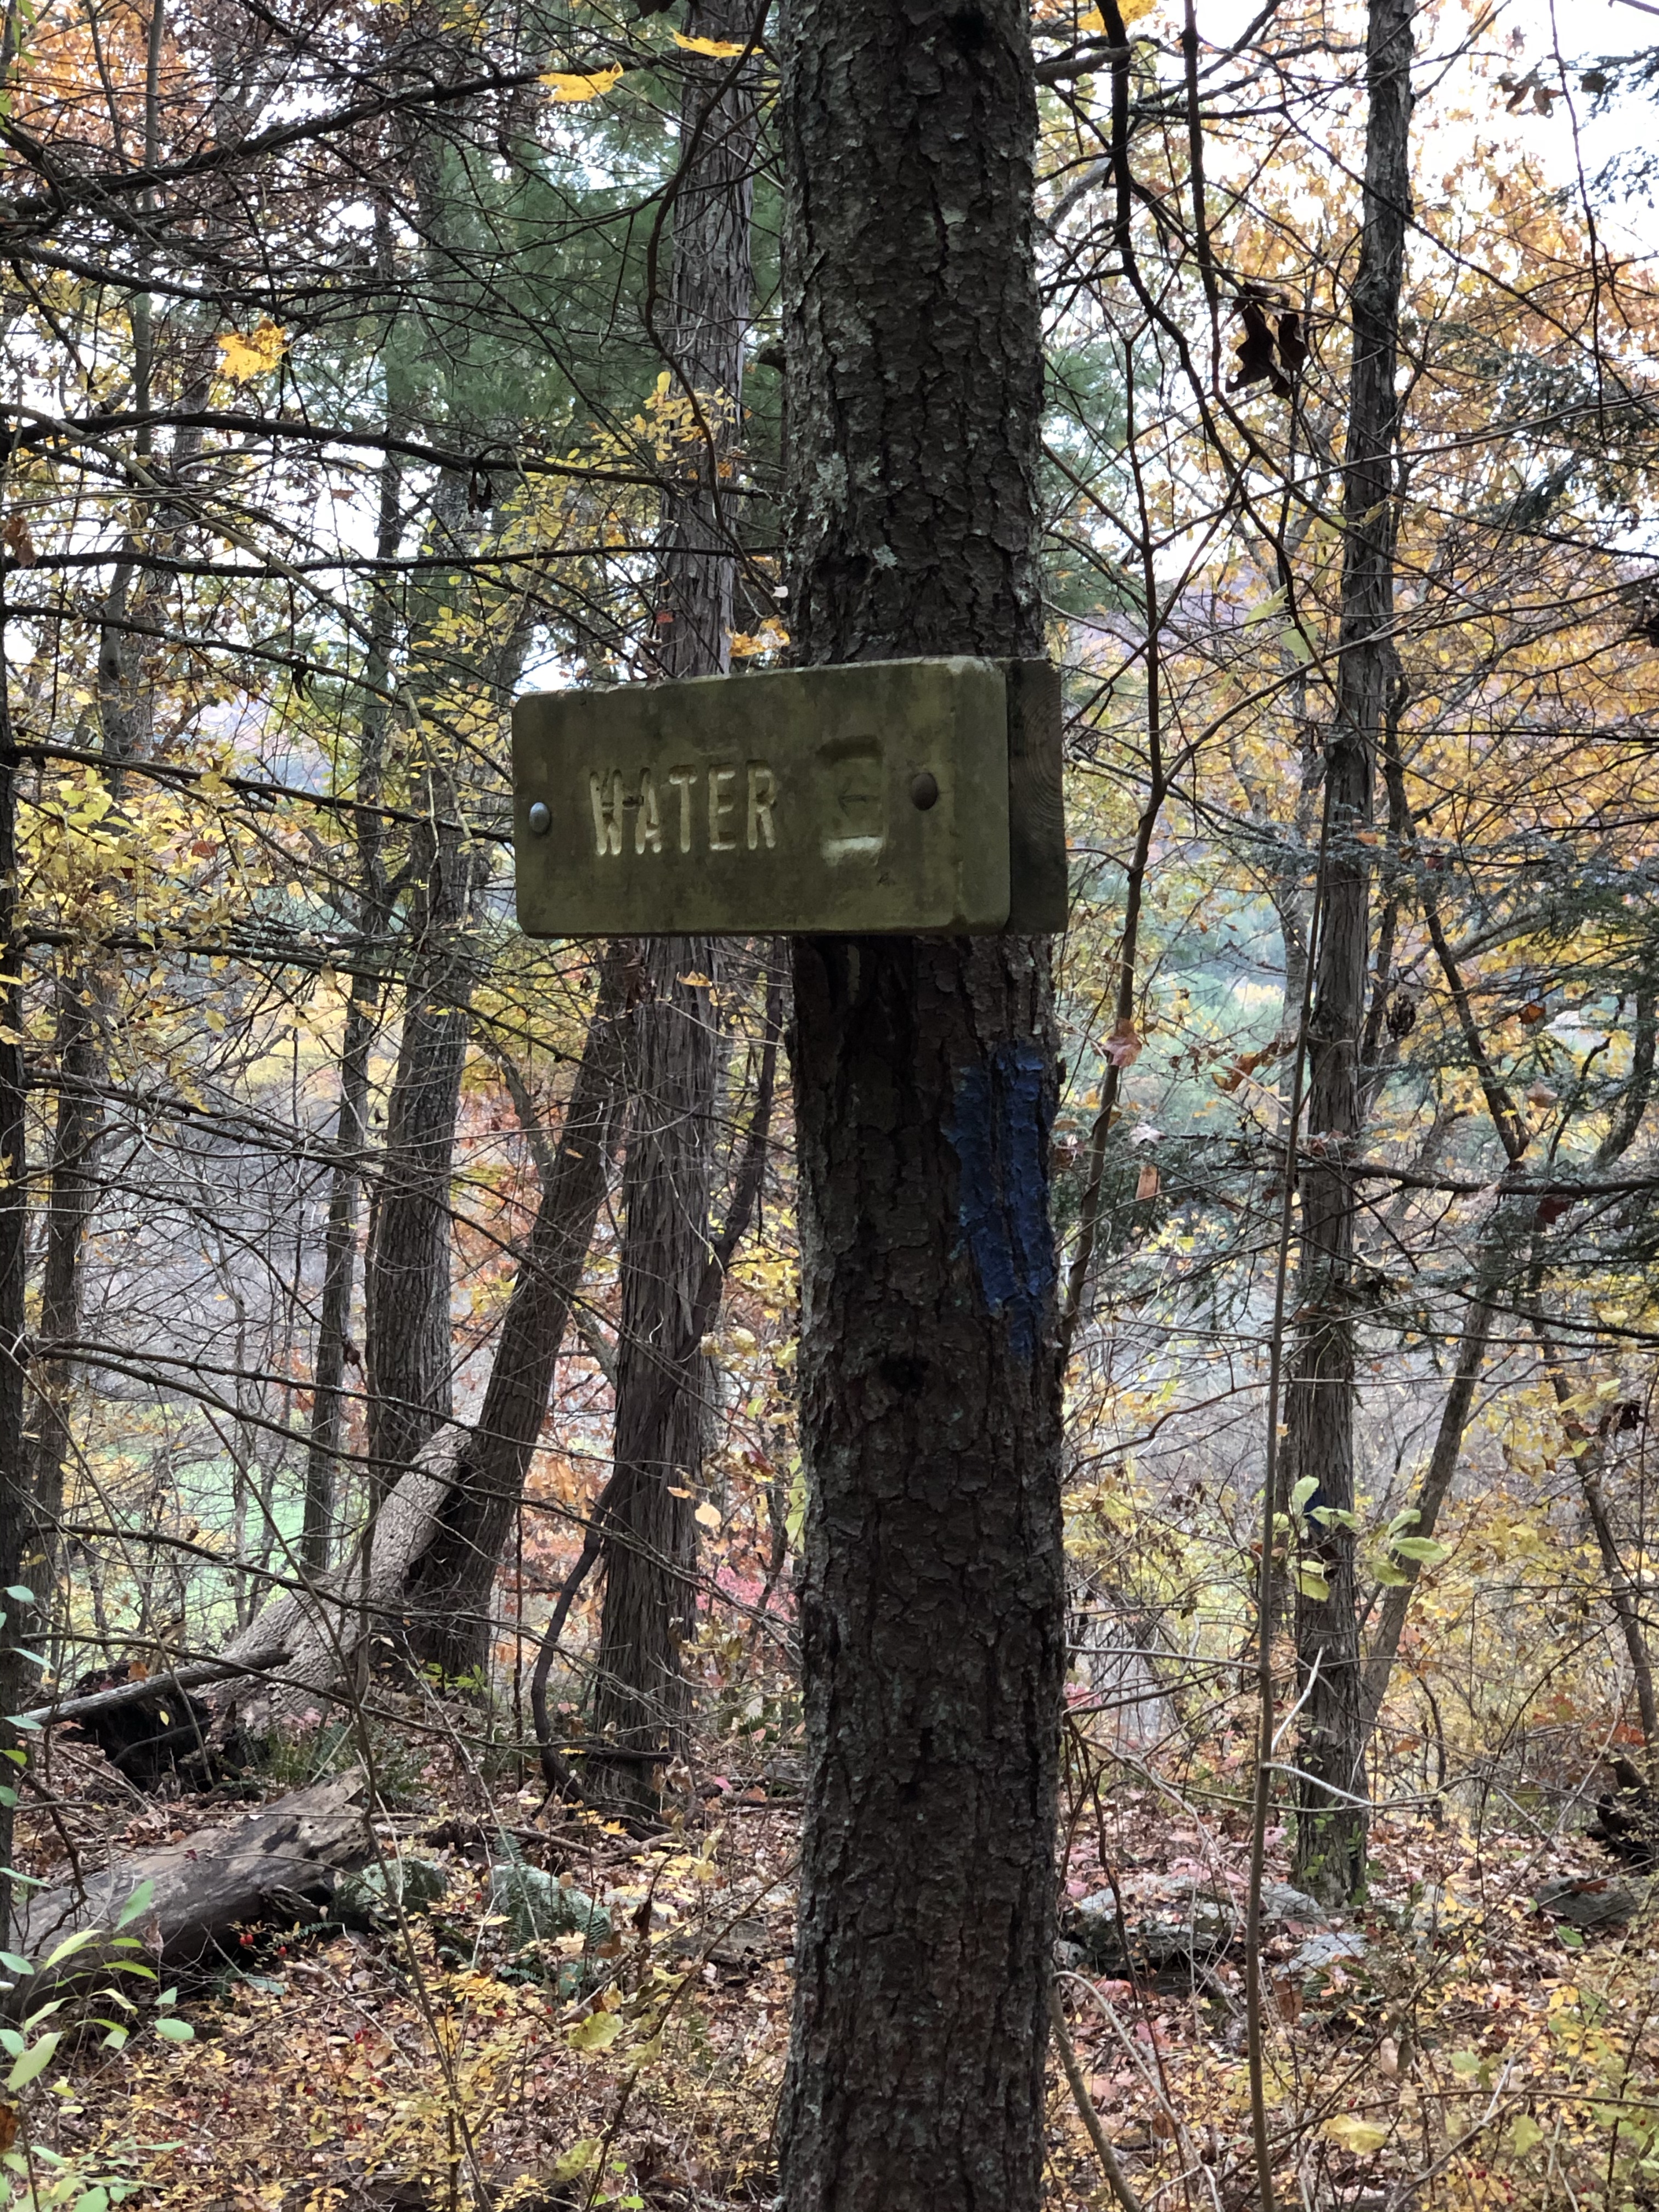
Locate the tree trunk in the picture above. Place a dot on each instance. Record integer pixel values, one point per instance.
(71, 1193)
(1625, 1594)
(124, 715)
(650, 1542)
(712, 295)
(322, 1624)
(1331, 1829)
(649, 1548)
(16, 1505)
(450, 1593)
(328, 1418)
(672, 1365)
(931, 1592)
(409, 1259)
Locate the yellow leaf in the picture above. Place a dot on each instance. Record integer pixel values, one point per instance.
(771, 637)
(721, 49)
(256, 354)
(598, 2033)
(1131, 10)
(1355, 2134)
(569, 88)
(574, 2162)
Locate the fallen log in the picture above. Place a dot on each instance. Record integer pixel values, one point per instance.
(194, 1674)
(279, 1862)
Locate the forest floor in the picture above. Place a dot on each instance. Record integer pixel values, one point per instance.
(1448, 2044)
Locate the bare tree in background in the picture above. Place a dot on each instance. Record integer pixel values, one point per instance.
(1330, 1851)
(641, 1700)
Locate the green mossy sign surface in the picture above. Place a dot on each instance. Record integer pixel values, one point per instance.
(883, 796)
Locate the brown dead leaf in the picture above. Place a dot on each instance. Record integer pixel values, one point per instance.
(1123, 1046)
(1246, 1064)
(18, 542)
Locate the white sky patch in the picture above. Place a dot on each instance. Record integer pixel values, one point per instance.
(1571, 140)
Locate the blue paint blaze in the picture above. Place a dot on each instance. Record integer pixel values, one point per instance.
(999, 1132)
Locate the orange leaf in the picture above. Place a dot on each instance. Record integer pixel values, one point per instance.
(1123, 1046)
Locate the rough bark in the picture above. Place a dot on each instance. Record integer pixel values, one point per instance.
(650, 1542)
(450, 1591)
(711, 294)
(649, 1548)
(1331, 1829)
(931, 1591)
(662, 1418)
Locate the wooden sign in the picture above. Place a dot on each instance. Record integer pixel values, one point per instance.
(880, 796)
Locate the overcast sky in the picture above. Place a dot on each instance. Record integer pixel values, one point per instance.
(1587, 30)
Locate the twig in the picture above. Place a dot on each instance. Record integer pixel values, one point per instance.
(1114, 2174)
